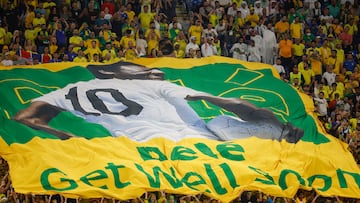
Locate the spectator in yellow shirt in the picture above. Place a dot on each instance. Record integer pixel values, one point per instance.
(80, 57)
(298, 50)
(178, 52)
(285, 52)
(124, 41)
(91, 51)
(129, 12)
(109, 50)
(301, 64)
(333, 61)
(325, 51)
(308, 75)
(95, 58)
(30, 33)
(76, 41)
(296, 28)
(2, 37)
(146, 17)
(282, 26)
(152, 38)
(316, 65)
(38, 21)
(114, 42)
(130, 52)
(92, 37)
(252, 18)
(29, 15)
(196, 30)
(340, 53)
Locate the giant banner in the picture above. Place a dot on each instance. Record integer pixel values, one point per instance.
(214, 125)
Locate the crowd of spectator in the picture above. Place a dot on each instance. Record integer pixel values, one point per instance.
(314, 45)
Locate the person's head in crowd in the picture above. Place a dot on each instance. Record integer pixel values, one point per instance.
(297, 40)
(252, 32)
(108, 46)
(35, 61)
(329, 68)
(76, 32)
(59, 25)
(102, 14)
(92, 35)
(70, 49)
(318, 41)
(295, 69)
(325, 43)
(273, 3)
(284, 18)
(238, 14)
(283, 76)
(269, 26)
(152, 25)
(342, 72)
(210, 26)
(176, 46)
(243, 4)
(198, 22)
(334, 86)
(146, 8)
(313, 44)
(234, 5)
(333, 53)
(193, 39)
(93, 43)
(56, 55)
(74, 5)
(192, 53)
(37, 14)
(251, 42)
(130, 44)
(308, 32)
(292, 11)
(133, 23)
(285, 36)
(198, 53)
(306, 66)
(175, 26)
(96, 57)
(46, 50)
(105, 26)
(278, 61)
(128, 7)
(128, 33)
(5, 49)
(80, 53)
(252, 10)
(113, 36)
(217, 4)
(6, 55)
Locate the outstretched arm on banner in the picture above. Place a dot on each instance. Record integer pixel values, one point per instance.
(252, 114)
(243, 109)
(38, 115)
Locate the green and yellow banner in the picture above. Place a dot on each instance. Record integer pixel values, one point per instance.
(215, 125)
